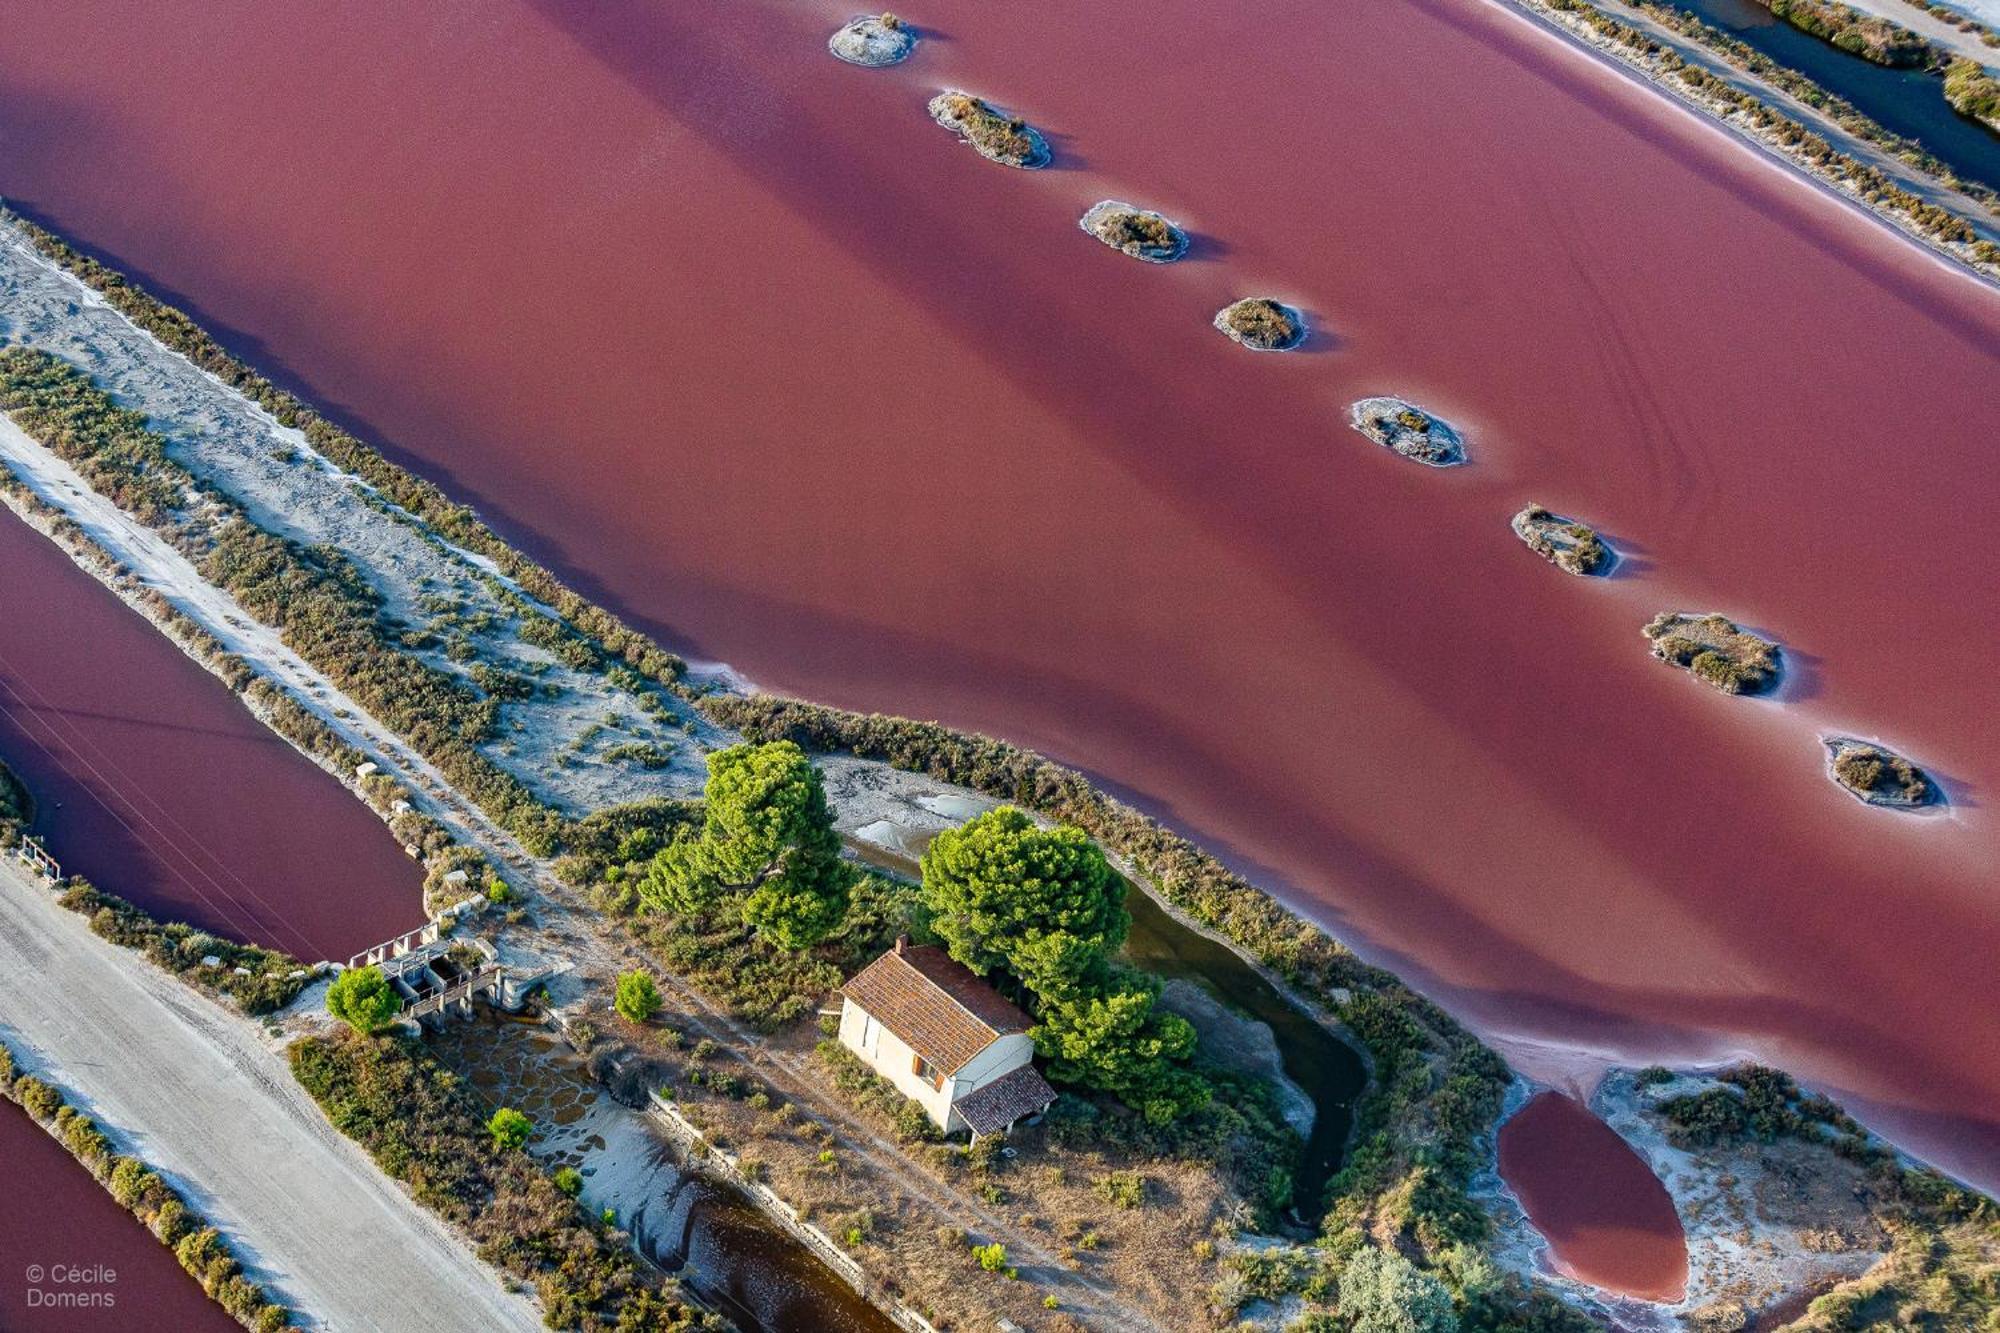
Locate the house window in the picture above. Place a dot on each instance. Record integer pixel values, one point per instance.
(870, 1032)
(927, 1071)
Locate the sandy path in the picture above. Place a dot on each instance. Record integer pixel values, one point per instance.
(196, 1091)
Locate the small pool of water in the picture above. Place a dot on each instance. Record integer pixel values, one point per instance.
(1608, 1219)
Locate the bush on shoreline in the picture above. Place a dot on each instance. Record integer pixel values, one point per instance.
(140, 1191)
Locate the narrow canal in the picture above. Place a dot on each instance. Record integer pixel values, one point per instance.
(1908, 101)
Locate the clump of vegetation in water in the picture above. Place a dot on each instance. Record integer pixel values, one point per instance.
(1973, 92)
(1262, 324)
(993, 133)
(1864, 35)
(1716, 649)
(1404, 428)
(1877, 775)
(1564, 542)
(1140, 233)
(873, 41)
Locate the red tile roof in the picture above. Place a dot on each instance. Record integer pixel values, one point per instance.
(935, 1005)
(1016, 1093)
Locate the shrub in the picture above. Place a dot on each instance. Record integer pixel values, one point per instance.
(363, 999)
(569, 1180)
(1126, 1189)
(509, 1128)
(638, 998)
(992, 1258)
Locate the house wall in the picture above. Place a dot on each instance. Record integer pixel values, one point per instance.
(889, 1056)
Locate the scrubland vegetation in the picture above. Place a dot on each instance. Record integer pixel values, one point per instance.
(1716, 650)
(1810, 150)
(422, 499)
(1564, 542)
(322, 607)
(1138, 232)
(140, 1191)
(1943, 1269)
(1973, 92)
(422, 1127)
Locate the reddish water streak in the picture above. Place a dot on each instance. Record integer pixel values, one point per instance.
(64, 1218)
(738, 337)
(152, 782)
(1608, 1219)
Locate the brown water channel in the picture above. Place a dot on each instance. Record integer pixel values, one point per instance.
(736, 336)
(718, 1244)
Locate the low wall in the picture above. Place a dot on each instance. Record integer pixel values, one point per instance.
(726, 1166)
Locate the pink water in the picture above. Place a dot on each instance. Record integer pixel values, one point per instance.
(155, 784)
(1608, 1219)
(738, 339)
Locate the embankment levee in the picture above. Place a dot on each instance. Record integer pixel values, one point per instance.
(208, 1102)
(1761, 122)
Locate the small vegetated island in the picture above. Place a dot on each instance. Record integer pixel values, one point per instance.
(1262, 324)
(1563, 542)
(1716, 649)
(1139, 232)
(1404, 428)
(1878, 775)
(873, 40)
(1865, 35)
(993, 133)
(1973, 93)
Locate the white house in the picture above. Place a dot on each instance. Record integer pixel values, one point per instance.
(944, 1038)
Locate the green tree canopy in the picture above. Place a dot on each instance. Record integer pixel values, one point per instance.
(1043, 904)
(1382, 1292)
(1112, 1038)
(638, 997)
(362, 998)
(768, 839)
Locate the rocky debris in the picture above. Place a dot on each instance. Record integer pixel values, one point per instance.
(1406, 429)
(1716, 649)
(1878, 775)
(1262, 324)
(873, 41)
(1138, 232)
(1563, 542)
(993, 133)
